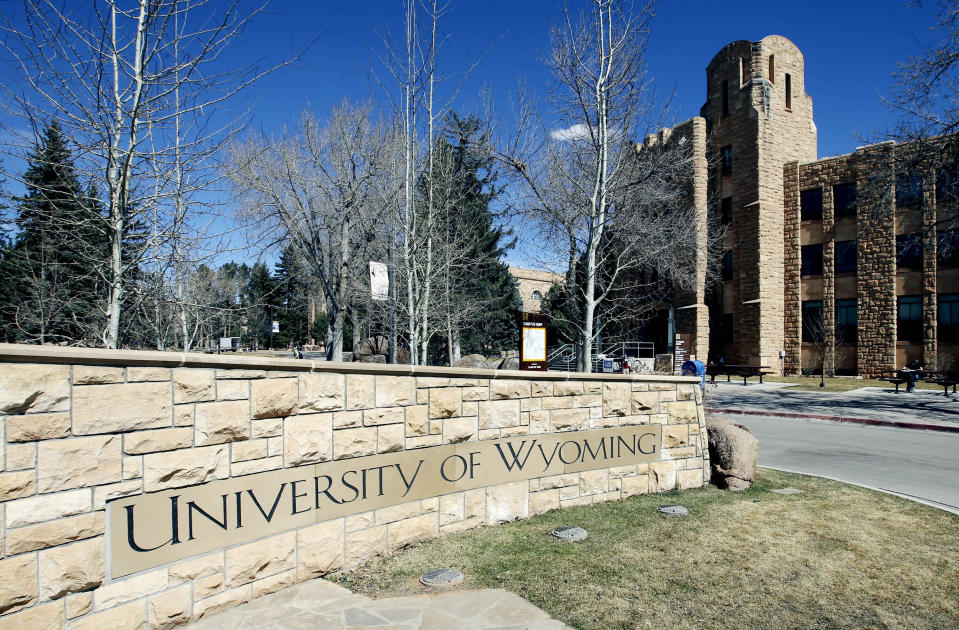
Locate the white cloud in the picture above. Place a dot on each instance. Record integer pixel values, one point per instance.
(578, 131)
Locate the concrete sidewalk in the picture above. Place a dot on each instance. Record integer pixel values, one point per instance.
(322, 605)
(919, 409)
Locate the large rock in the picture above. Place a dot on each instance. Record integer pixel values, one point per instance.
(472, 361)
(732, 452)
(509, 363)
(375, 350)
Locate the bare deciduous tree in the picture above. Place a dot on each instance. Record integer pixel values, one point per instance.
(135, 85)
(620, 220)
(318, 189)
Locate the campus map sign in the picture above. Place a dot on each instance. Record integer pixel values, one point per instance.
(152, 529)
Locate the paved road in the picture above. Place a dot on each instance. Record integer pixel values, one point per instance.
(921, 406)
(920, 464)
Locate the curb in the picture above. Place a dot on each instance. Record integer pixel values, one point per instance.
(868, 421)
(945, 507)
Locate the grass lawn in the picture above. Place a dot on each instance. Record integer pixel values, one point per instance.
(811, 383)
(836, 556)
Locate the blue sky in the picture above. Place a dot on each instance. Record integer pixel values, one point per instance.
(851, 49)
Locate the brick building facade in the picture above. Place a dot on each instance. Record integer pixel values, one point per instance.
(848, 264)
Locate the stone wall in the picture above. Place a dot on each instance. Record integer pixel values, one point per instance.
(84, 428)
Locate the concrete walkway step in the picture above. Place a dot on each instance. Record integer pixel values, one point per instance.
(322, 605)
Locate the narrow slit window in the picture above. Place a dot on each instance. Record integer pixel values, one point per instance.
(772, 68)
(789, 91)
(725, 98)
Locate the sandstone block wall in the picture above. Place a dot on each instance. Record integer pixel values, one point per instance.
(83, 427)
(877, 283)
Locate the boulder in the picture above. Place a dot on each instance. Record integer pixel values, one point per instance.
(732, 453)
(472, 361)
(509, 363)
(375, 350)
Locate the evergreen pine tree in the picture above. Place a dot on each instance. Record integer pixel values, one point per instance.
(51, 265)
(487, 280)
(260, 302)
(292, 292)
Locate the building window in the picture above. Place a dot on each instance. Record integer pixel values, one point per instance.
(772, 69)
(789, 91)
(536, 296)
(948, 325)
(947, 248)
(811, 260)
(728, 265)
(909, 318)
(812, 328)
(844, 200)
(947, 185)
(908, 190)
(810, 204)
(909, 251)
(845, 256)
(726, 329)
(726, 211)
(847, 321)
(725, 98)
(727, 160)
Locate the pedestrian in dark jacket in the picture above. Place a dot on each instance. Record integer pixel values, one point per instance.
(913, 371)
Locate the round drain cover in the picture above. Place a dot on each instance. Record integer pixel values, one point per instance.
(441, 577)
(672, 510)
(570, 533)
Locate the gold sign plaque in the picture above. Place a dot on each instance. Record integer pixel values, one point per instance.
(149, 530)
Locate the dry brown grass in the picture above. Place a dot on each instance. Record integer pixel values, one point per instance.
(836, 556)
(840, 384)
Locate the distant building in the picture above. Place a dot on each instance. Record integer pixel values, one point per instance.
(864, 244)
(534, 284)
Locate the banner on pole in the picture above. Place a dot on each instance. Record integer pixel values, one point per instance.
(379, 281)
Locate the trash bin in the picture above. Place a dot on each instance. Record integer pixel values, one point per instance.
(695, 368)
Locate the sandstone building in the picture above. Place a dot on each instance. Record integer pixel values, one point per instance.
(534, 284)
(857, 250)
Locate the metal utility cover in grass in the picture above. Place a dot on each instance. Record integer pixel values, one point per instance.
(570, 533)
(672, 510)
(441, 577)
(788, 491)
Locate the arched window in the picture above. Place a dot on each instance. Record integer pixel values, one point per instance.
(537, 296)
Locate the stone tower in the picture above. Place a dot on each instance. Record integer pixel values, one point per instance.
(758, 118)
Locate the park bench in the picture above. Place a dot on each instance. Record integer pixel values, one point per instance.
(745, 371)
(946, 379)
(896, 380)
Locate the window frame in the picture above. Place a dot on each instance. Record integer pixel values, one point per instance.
(846, 267)
(809, 199)
(947, 257)
(726, 211)
(805, 263)
(847, 331)
(948, 333)
(726, 160)
(909, 329)
(809, 329)
(908, 190)
(848, 209)
(911, 263)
